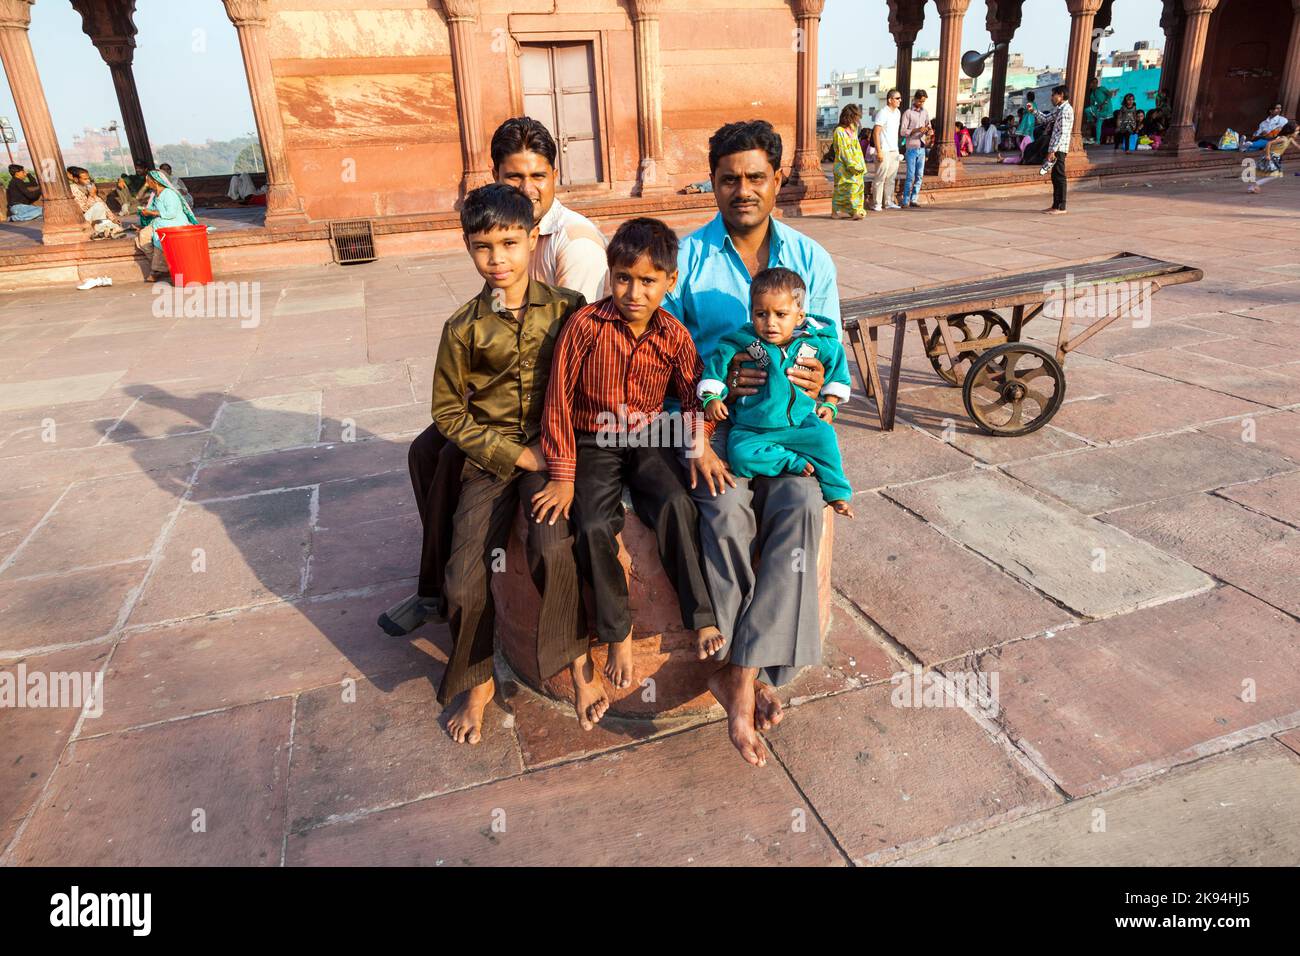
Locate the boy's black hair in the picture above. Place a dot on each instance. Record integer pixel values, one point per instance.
(522, 134)
(14, 168)
(741, 138)
(495, 206)
(778, 279)
(643, 237)
(1287, 130)
(920, 95)
(1029, 97)
(1064, 92)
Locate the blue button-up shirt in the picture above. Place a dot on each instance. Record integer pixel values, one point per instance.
(712, 294)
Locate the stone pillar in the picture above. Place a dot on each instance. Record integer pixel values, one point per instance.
(1105, 14)
(62, 220)
(462, 16)
(283, 207)
(1082, 15)
(1172, 21)
(951, 14)
(111, 27)
(1290, 96)
(806, 170)
(1002, 21)
(652, 178)
(906, 17)
(1182, 134)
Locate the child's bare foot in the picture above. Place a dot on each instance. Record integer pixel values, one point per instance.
(618, 663)
(843, 508)
(708, 641)
(465, 723)
(590, 699)
(767, 709)
(733, 686)
(808, 469)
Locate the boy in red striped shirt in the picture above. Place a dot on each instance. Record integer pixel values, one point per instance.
(602, 431)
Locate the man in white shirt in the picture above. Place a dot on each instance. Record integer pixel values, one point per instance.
(1062, 126)
(1267, 129)
(570, 253)
(886, 143)
(986, 137)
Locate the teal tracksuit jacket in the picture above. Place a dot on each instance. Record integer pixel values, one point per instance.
(777, 431)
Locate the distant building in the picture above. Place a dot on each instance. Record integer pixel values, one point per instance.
(1141, 57)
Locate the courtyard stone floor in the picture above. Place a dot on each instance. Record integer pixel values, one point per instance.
(213, 512)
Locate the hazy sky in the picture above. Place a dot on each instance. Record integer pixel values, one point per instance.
(191, 76)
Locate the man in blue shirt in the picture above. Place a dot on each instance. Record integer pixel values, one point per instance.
(768, 618)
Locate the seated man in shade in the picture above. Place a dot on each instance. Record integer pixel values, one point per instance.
(22, 195)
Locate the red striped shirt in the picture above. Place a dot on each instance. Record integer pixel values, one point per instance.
(599, 366)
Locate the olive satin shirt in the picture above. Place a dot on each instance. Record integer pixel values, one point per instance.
(489, 382)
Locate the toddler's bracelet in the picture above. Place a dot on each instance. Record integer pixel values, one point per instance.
(835, 411)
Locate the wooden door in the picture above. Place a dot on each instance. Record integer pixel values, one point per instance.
(559, 84)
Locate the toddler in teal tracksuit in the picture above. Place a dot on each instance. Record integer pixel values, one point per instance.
(781, 430)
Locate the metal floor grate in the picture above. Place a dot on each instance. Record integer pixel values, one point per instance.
(353, 240)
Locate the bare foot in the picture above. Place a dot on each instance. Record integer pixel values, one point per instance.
(767, 709)
(808, 469)
(591, 701)
(708, 641)
(842, 508)
(465, 724)
(734, 688)
(618, 663)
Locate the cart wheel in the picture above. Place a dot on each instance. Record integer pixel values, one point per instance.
(1013, 389)
(966, 327)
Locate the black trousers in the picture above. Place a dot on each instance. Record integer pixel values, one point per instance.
(485, 513)
(657, 485)
(435, 465)
(1058, 182)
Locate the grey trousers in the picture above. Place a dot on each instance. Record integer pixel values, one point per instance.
(768, 615)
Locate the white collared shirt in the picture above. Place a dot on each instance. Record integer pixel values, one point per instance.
(570, 253)
(1270, 124)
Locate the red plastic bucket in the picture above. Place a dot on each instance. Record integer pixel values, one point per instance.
(186, 251)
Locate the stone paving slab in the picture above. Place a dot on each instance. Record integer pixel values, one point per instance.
(82, 606)
(1233, 809)
(1104, 479)
(135, 798)
(1123, 698)
(885, 777)
(683, 800)
(1252, 552)
(300, 466)
(1290, 739)
(87, 527)
(1255, 385)
(19, 515)
(939, 411)
(358, 747)
(33, 737)
(1076, 560)
(1276, 432)
(230, 554)
(51, 436)
(365, 554)
(259, 425)
(875, 459)
(57, 391)
(1277, 497)
(210, 663)
(1142, 412)
(19, 476)
(928, 593)
(1246, 352)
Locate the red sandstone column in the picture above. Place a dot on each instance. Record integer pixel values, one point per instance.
(1291, 72)
(1182, 134)
(1082, 14)
(111, 27)
(807, 167)
(906, 17)
(1171, 21)
(62, 220)
(1002, 21)
(283, 207)
(652, 178)
(951, 13)
(462, 15)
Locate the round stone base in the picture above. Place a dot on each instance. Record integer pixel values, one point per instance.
(670, 681)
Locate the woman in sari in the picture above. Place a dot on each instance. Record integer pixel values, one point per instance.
(1126, 124)
(165, 207)
(850, 167)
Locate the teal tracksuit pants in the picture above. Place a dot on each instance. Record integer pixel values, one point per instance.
(769, 452)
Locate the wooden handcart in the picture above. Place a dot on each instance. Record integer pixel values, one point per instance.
(1009, 387)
